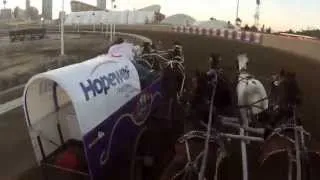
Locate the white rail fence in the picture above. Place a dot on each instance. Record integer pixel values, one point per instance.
(13, 104)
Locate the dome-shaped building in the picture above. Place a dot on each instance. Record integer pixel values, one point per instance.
(179, 19)
(153, 8)
(77, 6)
(213, 23)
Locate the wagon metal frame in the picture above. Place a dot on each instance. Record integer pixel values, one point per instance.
(212, 136)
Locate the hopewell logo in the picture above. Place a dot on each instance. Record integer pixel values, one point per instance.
(103, 83)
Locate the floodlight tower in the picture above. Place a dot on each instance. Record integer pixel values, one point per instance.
(237, 12)
(257, 14)
(62, 16)
(113, 25)
(4, 4)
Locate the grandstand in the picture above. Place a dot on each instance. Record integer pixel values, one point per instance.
(116, 17)
(86, 14)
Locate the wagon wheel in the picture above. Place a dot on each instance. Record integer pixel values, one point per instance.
(188, 175)
(142, 160)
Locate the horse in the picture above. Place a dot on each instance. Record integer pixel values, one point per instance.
(251, 94)
(285, 134)
(188, 149)
(163, 123)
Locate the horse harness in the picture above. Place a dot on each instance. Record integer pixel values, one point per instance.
(246, 81)
(285, 127)
(192, 165)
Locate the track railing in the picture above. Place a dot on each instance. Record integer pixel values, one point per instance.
(13, 104)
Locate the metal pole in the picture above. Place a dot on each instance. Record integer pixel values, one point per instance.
(259, 131)
(297, 147)
(110, 32)
(237, 11)
(290, 165)
(62, 29)
(244, 138)
(107, 30)
(114, 29)
(244, 157)
(201, 175)
(113, 25)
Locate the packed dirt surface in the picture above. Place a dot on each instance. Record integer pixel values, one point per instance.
(304, 47)
(263, 63)
(28, 57)
(18, 56)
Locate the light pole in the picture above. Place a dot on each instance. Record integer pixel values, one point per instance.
(237, 12)
(78, 23)
(113, 25)
(42, 19)
(62, 29)
(4, 4)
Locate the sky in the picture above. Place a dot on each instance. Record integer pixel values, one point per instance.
(279, 14)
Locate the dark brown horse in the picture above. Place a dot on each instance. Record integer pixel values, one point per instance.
(189, 148)
(285, 129)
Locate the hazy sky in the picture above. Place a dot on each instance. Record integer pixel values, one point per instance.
(279, 14)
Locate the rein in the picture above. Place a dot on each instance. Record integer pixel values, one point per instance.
(253, 104)
(206, 146)
(171, 63)
(284, 127)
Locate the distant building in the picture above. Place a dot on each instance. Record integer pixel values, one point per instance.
(86, 14)
(179, 20)
(155, 8)
(19, 13)
(27, 4)
(47, 9)
(32, 13)
(5, 14)
(101, 4)
(77, 6)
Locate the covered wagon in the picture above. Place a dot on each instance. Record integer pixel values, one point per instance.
(86, 118)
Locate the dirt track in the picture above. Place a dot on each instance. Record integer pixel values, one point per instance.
(264, 62)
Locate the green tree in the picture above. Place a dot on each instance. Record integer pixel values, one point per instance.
(238, 22)
(268, 30)
(33, 13)
(246, 27)
(254, 28)
(290, 31)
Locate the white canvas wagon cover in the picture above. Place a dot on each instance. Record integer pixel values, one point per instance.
(78, 96)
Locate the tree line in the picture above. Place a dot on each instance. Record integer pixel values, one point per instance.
(311, 32)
